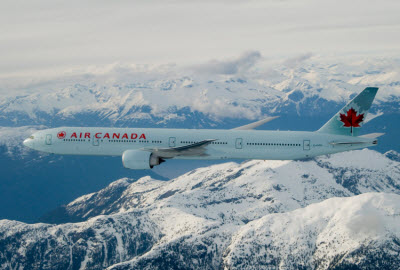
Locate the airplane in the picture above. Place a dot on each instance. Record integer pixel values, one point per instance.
(144, 148)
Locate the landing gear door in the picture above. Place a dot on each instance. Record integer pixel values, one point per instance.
(172, 141)
(48, 139)
(239, 143)
(306, 145)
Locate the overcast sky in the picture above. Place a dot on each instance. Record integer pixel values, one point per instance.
(55, 35)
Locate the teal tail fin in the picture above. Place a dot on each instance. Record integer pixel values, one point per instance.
(349, 120)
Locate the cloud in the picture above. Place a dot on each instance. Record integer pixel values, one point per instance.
(222, 107)
(295, 61)
(232, 66)
(53, 37)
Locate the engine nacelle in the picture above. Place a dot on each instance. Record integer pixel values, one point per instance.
(139, 160)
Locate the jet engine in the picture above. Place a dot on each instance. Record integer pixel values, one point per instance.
(140, 160)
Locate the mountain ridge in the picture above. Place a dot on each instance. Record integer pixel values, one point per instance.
(347, 226)
(179, 97)
(189, 222)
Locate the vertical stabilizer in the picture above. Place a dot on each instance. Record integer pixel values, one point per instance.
(350, 118)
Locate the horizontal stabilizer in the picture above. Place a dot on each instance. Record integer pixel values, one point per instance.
(344, 143)
(372, 135)
(256, 124)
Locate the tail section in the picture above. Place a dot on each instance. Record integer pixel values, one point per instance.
(349, 120)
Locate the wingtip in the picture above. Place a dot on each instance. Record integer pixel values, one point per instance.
(371, 89)
(256, 124)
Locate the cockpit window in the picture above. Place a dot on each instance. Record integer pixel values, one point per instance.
(32, 137)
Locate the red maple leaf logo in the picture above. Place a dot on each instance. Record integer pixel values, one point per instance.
(351, 119)
(61, 134)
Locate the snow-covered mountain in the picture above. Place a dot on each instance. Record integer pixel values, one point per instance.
(207, 218)
(284, 185)
(192, 97)
(360, 232)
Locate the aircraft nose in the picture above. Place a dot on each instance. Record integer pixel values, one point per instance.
(28, 142)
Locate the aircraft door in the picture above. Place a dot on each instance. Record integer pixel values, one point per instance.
(95, 141)
(48, 139)
(172, 141)
(306, 145)
(239, 143)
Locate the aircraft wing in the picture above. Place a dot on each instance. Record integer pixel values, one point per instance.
(256, 124)
(194, 149)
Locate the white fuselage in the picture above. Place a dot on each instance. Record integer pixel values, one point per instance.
(228, 144)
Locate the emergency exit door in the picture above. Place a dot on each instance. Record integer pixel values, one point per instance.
(239, 143)
(306, 145)
(172, 141)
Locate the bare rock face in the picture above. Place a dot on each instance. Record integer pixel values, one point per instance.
(258, 214)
